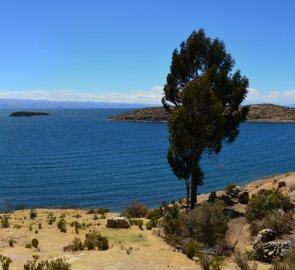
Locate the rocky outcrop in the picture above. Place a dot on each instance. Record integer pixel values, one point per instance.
(26, 114)
(257, 113)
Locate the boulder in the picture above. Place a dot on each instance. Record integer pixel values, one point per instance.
(118, 222)
(264, 236)
(227, 200)
(212, 197)
(243, 197)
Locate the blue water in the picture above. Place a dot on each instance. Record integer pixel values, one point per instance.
(77, 158)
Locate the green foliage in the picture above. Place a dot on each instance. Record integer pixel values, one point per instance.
(5, 222)
(155, 213)
(62, 225)
(266, 201)
(77, 244)
(100, 211)
(151, 224)
(56, 264)
(5, 262)
(35, 243)
(207, 223)
(229, 188)
(192, 247)
(216, 262)
(137, 222)
(205, 94)
(33, 214)
(96, 240)
(136, 210)
(281, 184)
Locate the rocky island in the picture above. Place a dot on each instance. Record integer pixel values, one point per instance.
(257, 113)
(27, 114)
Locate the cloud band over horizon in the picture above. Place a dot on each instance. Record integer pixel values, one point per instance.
(152, 96)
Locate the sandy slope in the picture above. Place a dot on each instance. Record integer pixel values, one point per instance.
(148, 250)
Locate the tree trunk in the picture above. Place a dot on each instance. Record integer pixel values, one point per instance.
(187, 185)
(194, 184)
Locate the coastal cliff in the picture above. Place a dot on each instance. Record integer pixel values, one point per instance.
(257, 113)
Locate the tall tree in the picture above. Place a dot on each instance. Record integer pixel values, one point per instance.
(203, 96)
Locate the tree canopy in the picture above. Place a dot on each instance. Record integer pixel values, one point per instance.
(203, 95)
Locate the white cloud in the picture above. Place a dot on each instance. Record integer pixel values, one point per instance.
(152, 96)
(276, 97)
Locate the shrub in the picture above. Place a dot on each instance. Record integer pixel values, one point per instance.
(223, 248)
(242, 261)
(62, 225)
(100, 211)
(191, 248)
(265, 201)
(137, 222)
(5, 262)
(28, 246)
(56, 264)
(280, 223)
(205, 262)
(155, 213)
(5, 222)
(151, 224)
(216, 262)
(33, 214)
(229, 188)
(136, 210)
(35, 243)
(96, 240)
(77, 244)
(291, 260)
(51, 218)
(281, 184)
(207, 223)
(40, 226)
(11, 242)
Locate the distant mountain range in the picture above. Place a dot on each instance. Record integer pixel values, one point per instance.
(46, 104)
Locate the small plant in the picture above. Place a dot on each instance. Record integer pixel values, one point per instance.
(281, 184)
(77, 216)
(62, 225)
(192, 247)
(11, 242)
(30, 227)
(28, 246)
(35, 243)
(216, 262)
(96, 240)
(136, 210)
(17, 226)
(95, 217)
(229, 188)
(5, 222)
(5, 262)
(62, 216)
(40, 226)
(51, 218)
(77, 244)
(33, 214)
(36, 231)
(266, 201)
(98, 211)
(55, 264)
(137, 222)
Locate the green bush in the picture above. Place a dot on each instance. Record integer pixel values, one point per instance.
(207, 223)
(155, 213)
(229, 188)
(51, 218)
(281, 184)
(280, 223)
(33, 214)
(56, 264)
(136, 210)
(5, 222)
(77, 244)
(191, 248)
(35, 243)
(11, 242)
(5, 262)
(96, 240)
(266, 201)
(62, 225)
(216, 262)
(151, 224)
(137, 222)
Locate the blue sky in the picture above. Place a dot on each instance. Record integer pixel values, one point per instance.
(116, 50)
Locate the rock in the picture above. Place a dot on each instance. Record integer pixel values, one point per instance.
(227, 200)
(264, 236)
(118, 222)
(274, 249)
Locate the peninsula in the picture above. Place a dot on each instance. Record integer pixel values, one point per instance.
(257, 113)
(26, 114)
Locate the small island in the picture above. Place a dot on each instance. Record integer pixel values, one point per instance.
(257, 113)
(27, 114)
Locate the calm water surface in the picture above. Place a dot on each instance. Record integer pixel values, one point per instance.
(77, 158)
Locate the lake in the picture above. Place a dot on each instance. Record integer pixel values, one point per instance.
(77, 158)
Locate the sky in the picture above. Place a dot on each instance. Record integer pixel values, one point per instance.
(120, 51)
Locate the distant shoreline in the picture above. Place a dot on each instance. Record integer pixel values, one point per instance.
(259, 113)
